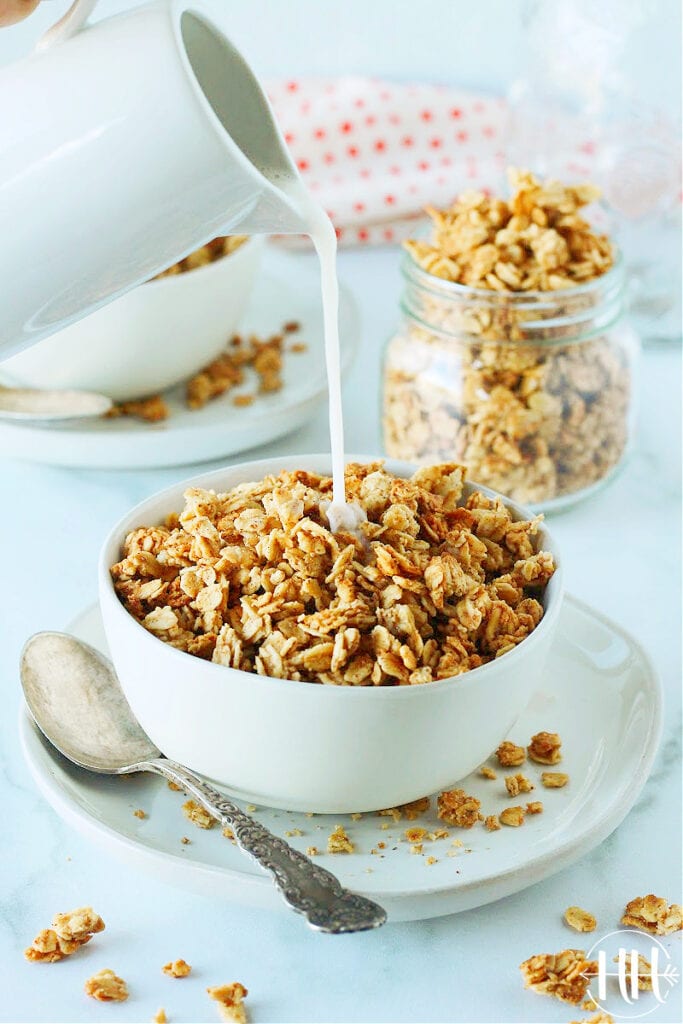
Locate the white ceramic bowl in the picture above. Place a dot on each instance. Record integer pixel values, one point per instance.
(304, 746)
(148, 339)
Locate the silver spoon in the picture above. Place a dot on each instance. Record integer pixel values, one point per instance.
(37, 405)
(76, 701)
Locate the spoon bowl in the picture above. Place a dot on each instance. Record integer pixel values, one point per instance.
(41, 405)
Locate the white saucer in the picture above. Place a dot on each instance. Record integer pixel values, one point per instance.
(287, 289)
(600, 693)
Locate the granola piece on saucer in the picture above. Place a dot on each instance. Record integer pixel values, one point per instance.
(455, 807)
(510, 755)
(339, 842)
(545, 748)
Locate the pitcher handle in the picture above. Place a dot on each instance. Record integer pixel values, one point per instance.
(67, 26)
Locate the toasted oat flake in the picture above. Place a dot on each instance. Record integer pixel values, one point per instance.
(545, 748)
(491, 823)
(214, 250)
(510, 755)
(516, 784)
(554, 780)
(198, 815)
(153, 409)
(580, 920)
(254, 579)
(565, 975)
(535, 807)
(339, 842)
(139, 813)
(653, 914)
(160, 1016)
(312, 851)
(106, 987)
(431, 860)
(174, 786)
(417, 848)
(230, 999)
(176, 969)
(488, 773)
(455, 807)
(512, 816)
(185, 840)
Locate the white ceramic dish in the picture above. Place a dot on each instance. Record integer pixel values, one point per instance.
(307, 747)
(150, 338)
(599, 691)
(287, 289)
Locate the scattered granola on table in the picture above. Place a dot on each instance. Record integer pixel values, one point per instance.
(69, 932)
(565, 975)
(535, 807)
(491, 823)
(153, 409)
(106, 987)
(653, 914)
(510, 357)
(455, 807)
(254, 579)
(487, 773)
(412, 810)
(545, 748)
(160, 1016)
(580, 920)
(176, 969)
(230, 999)
(554, 780)
(643, 973)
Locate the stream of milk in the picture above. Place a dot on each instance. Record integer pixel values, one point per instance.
(340, 513)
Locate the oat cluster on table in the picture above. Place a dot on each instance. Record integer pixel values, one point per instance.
(653, 914)
(254, 579)
(230, 999)
(68, 933)
(580, 920)
(478, 376)
(176, 969)
(565, 975)
(106, 987)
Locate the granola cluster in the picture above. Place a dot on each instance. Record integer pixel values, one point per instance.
(433, 585)
(106, 987)
(653, 914)
(565, 975)
(68, 933)
(214, 250)
(264, 356)
(514, 374)
(230, 999)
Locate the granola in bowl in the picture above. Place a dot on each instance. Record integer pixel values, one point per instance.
(254, 579)
(426, 628)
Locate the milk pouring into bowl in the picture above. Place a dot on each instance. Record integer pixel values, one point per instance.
(121, 175)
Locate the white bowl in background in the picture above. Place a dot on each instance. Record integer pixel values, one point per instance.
(152, 337)
(305, 746)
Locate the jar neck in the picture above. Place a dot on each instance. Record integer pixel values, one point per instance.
(558, 317)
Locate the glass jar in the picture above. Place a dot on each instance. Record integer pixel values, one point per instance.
(532, 391)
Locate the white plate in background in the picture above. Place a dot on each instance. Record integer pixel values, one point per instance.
(287, 289)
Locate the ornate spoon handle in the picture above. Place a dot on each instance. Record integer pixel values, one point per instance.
(306, 887)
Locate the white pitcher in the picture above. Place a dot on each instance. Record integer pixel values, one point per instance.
(123, 147)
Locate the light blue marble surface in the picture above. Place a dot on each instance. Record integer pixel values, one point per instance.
(621, 554)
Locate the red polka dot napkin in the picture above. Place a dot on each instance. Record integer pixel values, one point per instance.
(374, 153)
